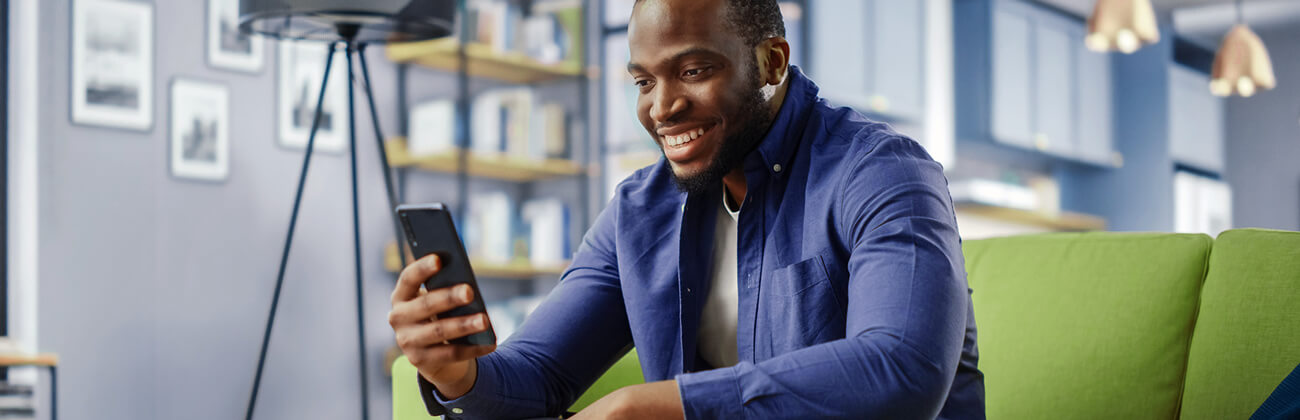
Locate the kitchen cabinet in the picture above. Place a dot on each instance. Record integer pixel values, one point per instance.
(1045, 91)
(1195, 120)
(870, 54)
(1095, 138)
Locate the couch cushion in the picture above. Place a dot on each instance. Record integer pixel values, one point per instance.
(1247, 335)
(1092, 325)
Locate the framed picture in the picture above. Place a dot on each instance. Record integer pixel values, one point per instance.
(200, 130)
(302, 66)
(227, 47)
(112, 64)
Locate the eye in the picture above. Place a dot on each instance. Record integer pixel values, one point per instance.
(696, 72)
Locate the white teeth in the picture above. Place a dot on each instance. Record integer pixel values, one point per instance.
(684, 138)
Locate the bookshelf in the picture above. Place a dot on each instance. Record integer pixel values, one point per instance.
(484, 61)
(518, 269)
(39, 359)
(1063, 221)
(502, 167)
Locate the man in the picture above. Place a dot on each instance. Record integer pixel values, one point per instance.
(785, 260)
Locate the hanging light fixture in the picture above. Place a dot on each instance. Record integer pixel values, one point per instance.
(1123, 25)
(1242, 65)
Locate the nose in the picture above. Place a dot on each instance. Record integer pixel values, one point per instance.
(668, 103)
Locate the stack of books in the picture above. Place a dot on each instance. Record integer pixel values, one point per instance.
(510, 122)
(16, 401)
(549, 31)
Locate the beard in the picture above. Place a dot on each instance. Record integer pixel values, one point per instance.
(754, 123)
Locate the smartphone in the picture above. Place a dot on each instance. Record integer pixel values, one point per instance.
(430, 230)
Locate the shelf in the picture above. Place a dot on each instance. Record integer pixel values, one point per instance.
(24, 359)
(638, 159)
(1064, 221)
(503, 167)
(516, 270)
(484, 61)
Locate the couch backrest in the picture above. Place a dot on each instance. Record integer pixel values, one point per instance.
(1088, 326)
(1247, 335)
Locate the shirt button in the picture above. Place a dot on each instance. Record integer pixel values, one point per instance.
(776, 168)
(457, 410)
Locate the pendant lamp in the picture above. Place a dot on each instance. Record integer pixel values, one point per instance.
(1123, 25)
(1242, 65)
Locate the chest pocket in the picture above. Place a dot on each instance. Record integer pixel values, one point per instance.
(798, 309)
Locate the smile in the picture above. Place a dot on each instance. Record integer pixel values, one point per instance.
(684, 138)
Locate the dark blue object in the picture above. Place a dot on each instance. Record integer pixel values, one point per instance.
(1284, 403)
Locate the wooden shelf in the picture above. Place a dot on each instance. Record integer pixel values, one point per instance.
(484, 61)
(638, 159)
(1064, 221)
(23, 359)
(504, 167)
(515, 270)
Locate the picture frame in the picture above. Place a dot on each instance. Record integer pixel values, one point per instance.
(199, 134)
(301, 68)
(112, 64)
(228, 48)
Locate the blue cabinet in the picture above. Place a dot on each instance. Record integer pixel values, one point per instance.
(1095, 128)
(1195, 120)
(1054, 78)
(1012, 58)
(1025, 80)
(869, 54)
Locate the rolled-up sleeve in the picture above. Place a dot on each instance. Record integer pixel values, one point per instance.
(577, 332)
(906, 313)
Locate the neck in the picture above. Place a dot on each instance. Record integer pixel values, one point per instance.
(735, 180)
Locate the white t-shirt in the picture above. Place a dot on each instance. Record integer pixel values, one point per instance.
(717, 335)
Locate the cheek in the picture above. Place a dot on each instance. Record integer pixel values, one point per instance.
(643, 113)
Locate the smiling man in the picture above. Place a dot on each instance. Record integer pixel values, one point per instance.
(786, 259)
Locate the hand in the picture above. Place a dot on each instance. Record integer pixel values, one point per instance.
(424, 338)
(655, 400)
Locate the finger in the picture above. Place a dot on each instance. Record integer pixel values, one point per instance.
(424, 335)
(430, 304)
(408, 283)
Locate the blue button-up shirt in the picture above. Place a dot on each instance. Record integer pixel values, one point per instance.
(852, 293)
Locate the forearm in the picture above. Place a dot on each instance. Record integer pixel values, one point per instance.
(869, 376)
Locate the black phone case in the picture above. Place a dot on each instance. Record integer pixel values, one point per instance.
(430, 230)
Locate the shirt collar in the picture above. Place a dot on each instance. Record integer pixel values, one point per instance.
(781, 141)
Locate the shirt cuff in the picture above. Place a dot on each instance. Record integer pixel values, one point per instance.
(481, 402)
(711, 394)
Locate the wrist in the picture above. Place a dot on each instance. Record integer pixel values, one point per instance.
(454, 381)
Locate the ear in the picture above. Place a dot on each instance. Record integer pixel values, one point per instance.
(773, 60)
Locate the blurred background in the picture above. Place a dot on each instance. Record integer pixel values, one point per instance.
(152, 154)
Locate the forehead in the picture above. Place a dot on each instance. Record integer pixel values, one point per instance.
(661, 28)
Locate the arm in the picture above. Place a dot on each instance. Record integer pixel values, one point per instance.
(568, 341)
(906, 313)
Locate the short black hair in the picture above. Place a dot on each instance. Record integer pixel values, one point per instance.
(754, 20)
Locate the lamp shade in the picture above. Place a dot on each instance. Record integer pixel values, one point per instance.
(375, 21)
(1123, 25)
(1242, 65)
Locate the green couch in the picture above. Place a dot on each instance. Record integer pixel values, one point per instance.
(1108, 325)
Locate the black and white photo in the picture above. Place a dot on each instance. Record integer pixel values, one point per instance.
(302, 66)
(227, 47)
(200, 126)
(112, 64)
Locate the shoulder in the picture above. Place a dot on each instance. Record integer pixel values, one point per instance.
(863, 144)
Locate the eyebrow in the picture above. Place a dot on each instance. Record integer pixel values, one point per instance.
(634, 67)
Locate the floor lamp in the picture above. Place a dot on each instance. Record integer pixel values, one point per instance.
(353, 25)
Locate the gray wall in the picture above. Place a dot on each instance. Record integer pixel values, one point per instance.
(154, 290)
(1263, 143)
